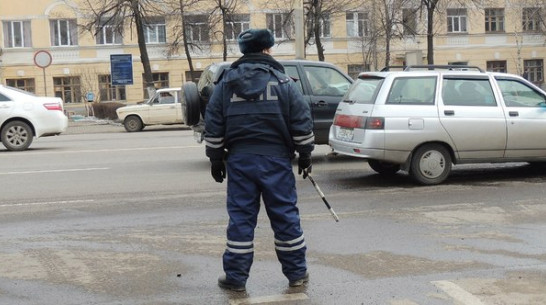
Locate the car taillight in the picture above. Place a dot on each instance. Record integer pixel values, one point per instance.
(375, 123)
(349, 121)
(53, 106)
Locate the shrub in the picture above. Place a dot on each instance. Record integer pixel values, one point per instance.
(106, 110)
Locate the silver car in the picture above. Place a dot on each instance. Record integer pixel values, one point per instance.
(424, 119)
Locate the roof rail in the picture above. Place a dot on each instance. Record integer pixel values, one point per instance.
(443, 67)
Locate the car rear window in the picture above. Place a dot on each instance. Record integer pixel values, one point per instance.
(412, 91)
(364, 90)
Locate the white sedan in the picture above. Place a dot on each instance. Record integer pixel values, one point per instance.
(164, 108)
(24, 116)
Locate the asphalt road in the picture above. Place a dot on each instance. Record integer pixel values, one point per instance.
(101, 216)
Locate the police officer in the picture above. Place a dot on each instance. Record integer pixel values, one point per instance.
(255, 121)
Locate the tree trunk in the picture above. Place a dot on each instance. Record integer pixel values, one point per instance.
(148, 77)
(430, 34)
(185, 41)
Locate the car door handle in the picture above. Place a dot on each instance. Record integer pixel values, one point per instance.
(449, 112)
(513, 113)
(321, 104)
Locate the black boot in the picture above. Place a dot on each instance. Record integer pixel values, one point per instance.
(299, 282)
(224, 283)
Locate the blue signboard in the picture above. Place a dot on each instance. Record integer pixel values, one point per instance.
(121, 67)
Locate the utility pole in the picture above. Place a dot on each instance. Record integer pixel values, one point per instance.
(298, 20)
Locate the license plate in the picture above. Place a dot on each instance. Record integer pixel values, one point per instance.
(345, 134)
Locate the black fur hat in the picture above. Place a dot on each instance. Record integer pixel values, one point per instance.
(255, 40)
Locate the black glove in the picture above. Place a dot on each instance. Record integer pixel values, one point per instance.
(304, 165)
(218, 170)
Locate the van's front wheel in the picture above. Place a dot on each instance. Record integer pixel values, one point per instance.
(430, 164)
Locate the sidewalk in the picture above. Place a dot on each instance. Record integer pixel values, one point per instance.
(79, 125)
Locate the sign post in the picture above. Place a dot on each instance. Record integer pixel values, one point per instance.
(43, 59)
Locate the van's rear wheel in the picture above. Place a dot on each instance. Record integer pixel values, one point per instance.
(384, 168)
(430, 164)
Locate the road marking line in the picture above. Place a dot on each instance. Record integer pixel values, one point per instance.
(45, 203)
(43, 152)
(458, 293)
(271, 299)
(56, 171)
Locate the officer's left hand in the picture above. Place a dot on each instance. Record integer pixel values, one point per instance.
(304, 165)
(218, 170)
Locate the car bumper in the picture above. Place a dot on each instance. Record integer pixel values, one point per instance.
(52, 126)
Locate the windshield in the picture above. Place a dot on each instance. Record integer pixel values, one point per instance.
(364, 90)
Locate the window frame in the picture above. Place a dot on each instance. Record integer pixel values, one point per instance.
(108, 33)
(200, 23)
(70, 32)
(359, 23)
(496, 66)
(107, 92)
(26, 84)
(156, 28)
(24, 32)
(70, 85)
(286, 25)
(494, 18)
(533, 70)
(236, 24)
(530, 19)
(457, 17)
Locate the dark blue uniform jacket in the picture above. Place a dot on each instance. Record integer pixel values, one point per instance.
(255, 108)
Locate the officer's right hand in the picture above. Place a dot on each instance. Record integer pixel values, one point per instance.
(218, 170)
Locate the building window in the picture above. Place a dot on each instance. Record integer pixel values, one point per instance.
(195, 78)
(197, 28)
(280, 24)
(494, 20)
(357, 24)
(533, 70)
(530, 18)
(67, 88)
(496, 66)
(107, 92)
(324, 26)
(109, 33)
(354, 70)
(26, 84)
(456, 20)
(154, 30)
(17, 34)
(64, 32)
(409, 21)
(160, 80)
(236, 24)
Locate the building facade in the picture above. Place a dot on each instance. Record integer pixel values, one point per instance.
(45, 50)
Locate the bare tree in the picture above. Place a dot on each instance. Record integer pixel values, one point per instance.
(181, 29)
(224, 22)
(117, 14)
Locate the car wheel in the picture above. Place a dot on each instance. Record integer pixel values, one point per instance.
(17, 136)
(384, 168)
(133, 123)
(430, 164)
(190, 105)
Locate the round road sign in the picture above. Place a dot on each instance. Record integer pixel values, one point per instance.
(42, 59)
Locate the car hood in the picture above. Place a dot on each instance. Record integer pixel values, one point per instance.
(133, 108)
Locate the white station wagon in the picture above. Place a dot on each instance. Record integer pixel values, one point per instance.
(164, 108)
(424, 119)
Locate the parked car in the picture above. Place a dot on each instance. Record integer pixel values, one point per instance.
(163, 108)
(24, 116)
(426, 118)
(322, 84)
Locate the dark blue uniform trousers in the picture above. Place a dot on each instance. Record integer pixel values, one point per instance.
(249, 177)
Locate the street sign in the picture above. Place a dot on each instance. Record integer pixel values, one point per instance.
(121, 69)
(42, 59)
